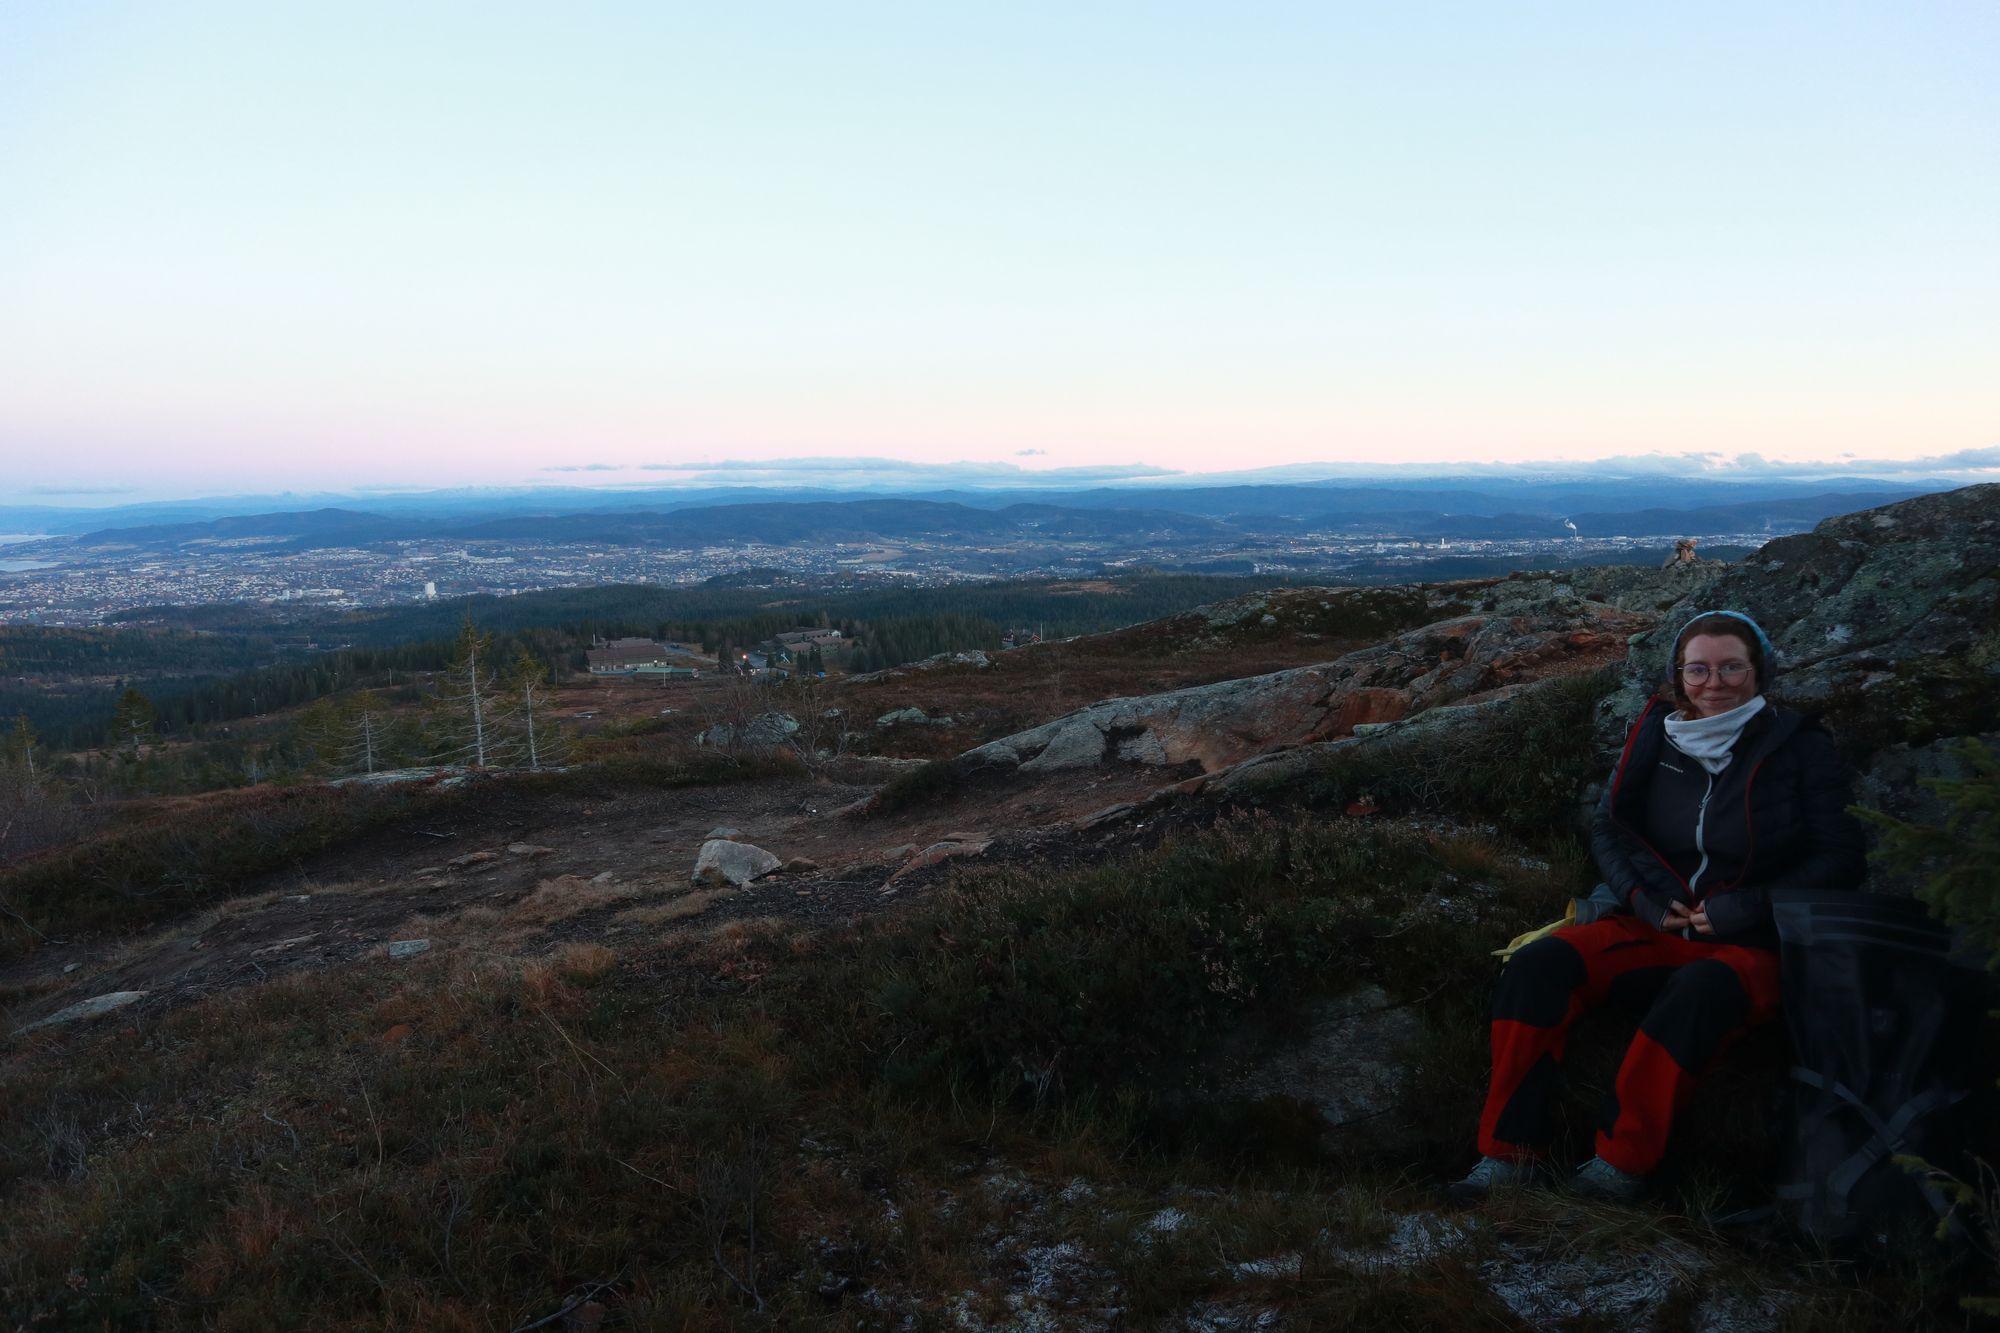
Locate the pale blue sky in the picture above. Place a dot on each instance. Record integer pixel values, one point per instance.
(254, 245)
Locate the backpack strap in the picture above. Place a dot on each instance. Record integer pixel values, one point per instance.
(1887, 1139)
(1887, 1136)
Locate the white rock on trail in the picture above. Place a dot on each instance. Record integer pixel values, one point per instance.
(91, 1008)
(723, 863)
(408, 948)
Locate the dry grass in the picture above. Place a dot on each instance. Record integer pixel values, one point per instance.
(566, 896)
(692, 903)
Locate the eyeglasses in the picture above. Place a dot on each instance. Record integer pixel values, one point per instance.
(1729, 673)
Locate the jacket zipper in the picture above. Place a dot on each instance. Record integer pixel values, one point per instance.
(1700, 842)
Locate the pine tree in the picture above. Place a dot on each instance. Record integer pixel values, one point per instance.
(132, 723)
(20, 746)
(320, 735)
(1955, 861)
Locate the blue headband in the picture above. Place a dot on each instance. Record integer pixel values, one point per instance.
(1763, 640)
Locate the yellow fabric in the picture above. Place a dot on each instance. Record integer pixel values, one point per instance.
(1523, 941)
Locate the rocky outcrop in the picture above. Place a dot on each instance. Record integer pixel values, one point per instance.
(1887, 626)
(974, 658)
(1887, 621)
(1540, 632)
(957, 845)
(1360, 614)
(760, 732)
(910, 717)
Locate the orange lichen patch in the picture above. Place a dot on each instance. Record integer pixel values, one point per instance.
(1369, 703)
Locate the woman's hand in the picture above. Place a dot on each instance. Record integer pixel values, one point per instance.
(1680, 916)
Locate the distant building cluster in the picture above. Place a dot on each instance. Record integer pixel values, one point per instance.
(805, 640)
(638, 657)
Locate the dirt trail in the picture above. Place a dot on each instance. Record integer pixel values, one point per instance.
(402, 883)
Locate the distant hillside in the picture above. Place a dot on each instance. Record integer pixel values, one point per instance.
(311, 527)
(1202, 514)
(766, 524)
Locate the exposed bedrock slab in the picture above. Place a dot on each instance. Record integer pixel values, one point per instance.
(1216, 726)
(91, 1008)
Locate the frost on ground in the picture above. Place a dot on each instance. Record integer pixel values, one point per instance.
(1054, 1288)
(1416, 1238)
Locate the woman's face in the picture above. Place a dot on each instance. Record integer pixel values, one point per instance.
(1722, 655)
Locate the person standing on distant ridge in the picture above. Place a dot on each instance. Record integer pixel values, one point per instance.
(1719, 798)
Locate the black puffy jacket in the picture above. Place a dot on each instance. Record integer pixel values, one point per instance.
(1776, 818)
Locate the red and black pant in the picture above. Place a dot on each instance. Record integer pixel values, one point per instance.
(1702, 995)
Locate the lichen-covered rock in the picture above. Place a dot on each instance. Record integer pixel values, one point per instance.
(725, 863)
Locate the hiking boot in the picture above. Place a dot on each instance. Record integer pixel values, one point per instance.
(1598, 1179)
(1491, 1174)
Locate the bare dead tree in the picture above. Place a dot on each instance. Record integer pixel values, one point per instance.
(468, 702)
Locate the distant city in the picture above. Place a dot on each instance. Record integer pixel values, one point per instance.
(342, 558)
(95, 587)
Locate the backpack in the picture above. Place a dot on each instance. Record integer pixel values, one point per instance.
(1883, 1027)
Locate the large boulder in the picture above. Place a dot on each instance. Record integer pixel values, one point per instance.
(723, 863)
(1349, 1065)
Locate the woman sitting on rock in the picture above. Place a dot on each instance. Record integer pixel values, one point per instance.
(1719, 798)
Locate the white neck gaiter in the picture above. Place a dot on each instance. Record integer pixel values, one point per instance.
(1708, 740)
